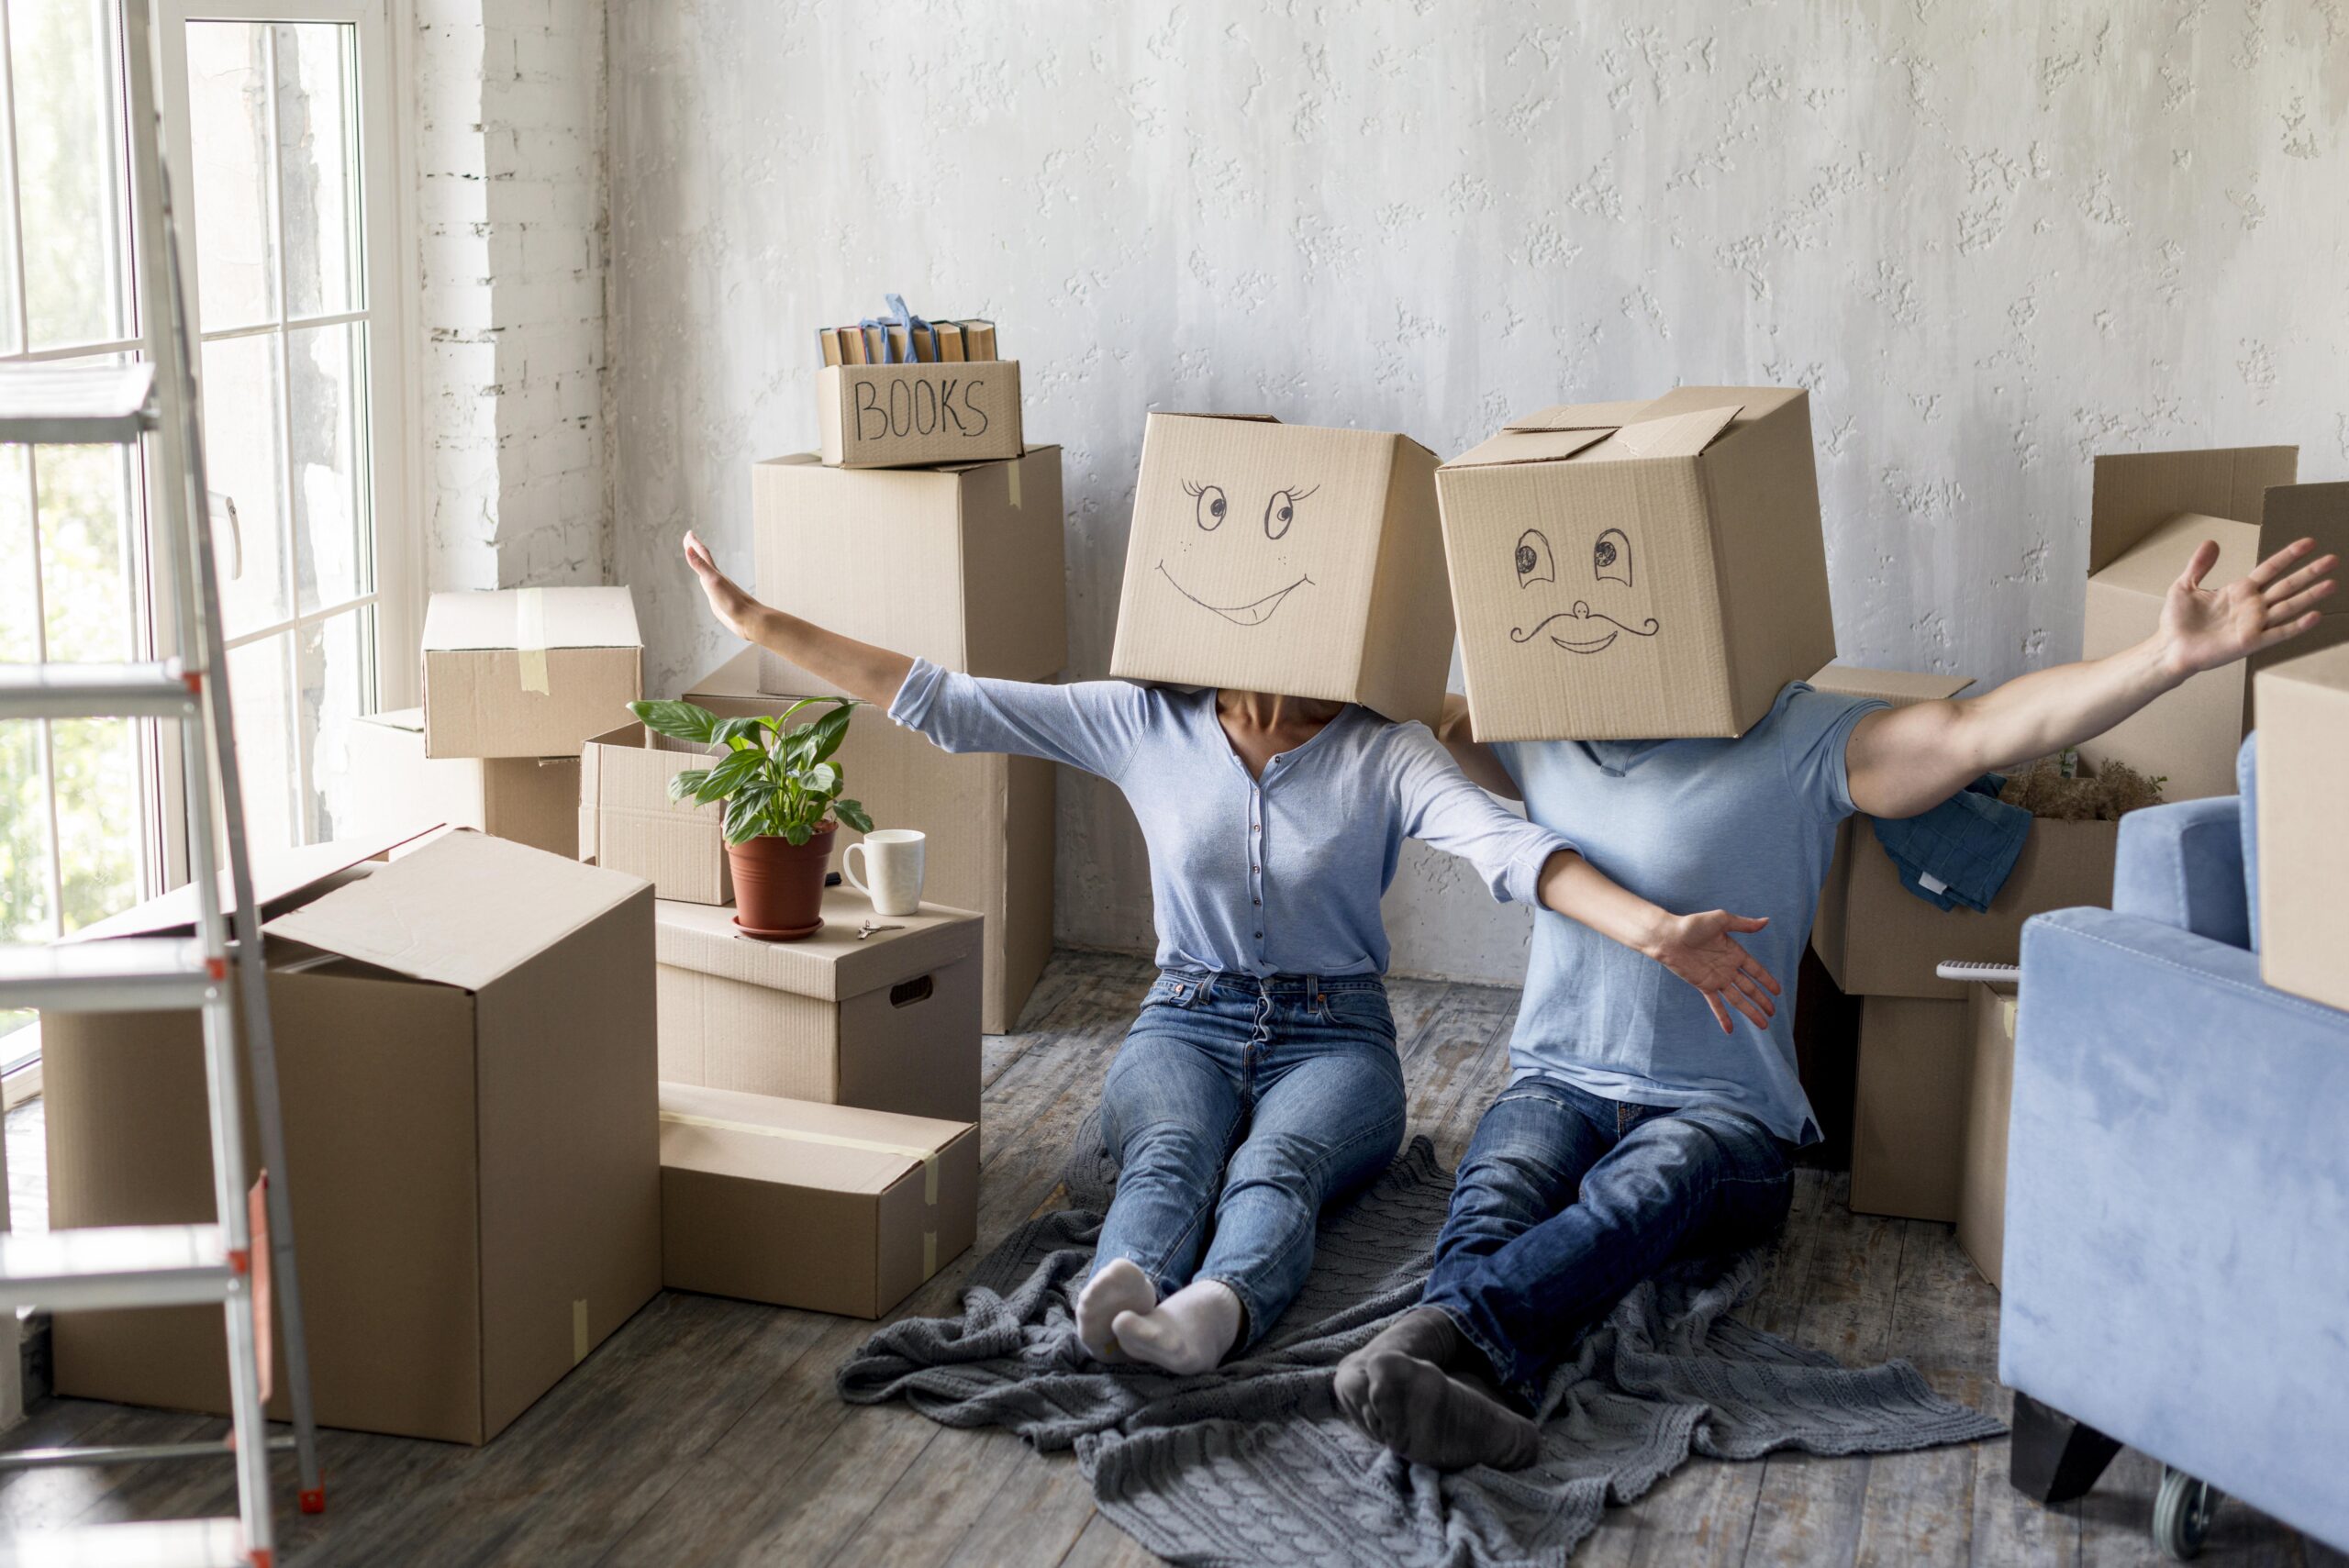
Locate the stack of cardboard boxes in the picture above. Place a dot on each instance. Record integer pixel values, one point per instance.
(488, 1174)
(1935, 1055)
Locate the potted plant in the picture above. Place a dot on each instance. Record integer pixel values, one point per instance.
(783, 800)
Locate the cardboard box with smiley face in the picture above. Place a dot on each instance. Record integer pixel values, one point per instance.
(1280, 558)
(1637, 570)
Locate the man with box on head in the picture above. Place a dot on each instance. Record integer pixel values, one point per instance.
(1260, 1080)
(1629, 570)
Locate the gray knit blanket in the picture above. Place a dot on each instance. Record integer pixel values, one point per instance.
(1252, 1463)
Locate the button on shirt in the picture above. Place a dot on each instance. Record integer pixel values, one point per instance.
(1745, 825)
(1277, 876)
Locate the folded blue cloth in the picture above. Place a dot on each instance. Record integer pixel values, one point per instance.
(1961, 851)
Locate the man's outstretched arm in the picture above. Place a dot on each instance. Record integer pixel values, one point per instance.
(1905, 760)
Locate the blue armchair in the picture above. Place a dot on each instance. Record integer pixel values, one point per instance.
(2176, 1269)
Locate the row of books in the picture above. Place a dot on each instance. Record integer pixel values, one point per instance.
(897, 342)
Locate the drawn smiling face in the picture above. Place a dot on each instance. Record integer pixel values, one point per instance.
(1579, 629)
(1264, 533)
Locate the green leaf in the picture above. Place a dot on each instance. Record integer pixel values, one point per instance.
(686, 783)
(683, 720)
(831, 729)
(735, 729)
(824, 779)
(853, 813)
(737, 770)
(798, 833)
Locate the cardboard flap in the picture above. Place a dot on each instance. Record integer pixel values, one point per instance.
(278, 875)
(2135, 492)
(1898, 687)
(1600, 417)
(1025, 452)
(2150, 564)
(1527, 446)
(799, 1143)
(531, 618)
(409, 719)
(1189, 414)
(460, 912)
(1680, 435)
(831, 965)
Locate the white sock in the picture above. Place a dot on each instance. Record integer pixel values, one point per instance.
(1187, 1333)
(1118, 1285)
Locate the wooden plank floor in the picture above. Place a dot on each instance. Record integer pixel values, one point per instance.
(705, 1432)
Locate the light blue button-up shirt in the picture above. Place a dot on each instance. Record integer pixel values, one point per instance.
(1277, 876)
(1745, 825)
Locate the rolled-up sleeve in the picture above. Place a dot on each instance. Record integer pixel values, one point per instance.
(1443, 808)
(1092, 725)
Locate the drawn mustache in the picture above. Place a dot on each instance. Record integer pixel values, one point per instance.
(1582, 615)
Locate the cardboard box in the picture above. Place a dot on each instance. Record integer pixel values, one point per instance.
(918, 415)
(1990, 1090)
(2152, 511)
(989, 821)
(817, 1206)
(888, 1022)
(1280, 558)
(962, 566)
(624, 820)
(1877, 938)
(1908, 1123)
(1627, 571)
(466, 1060)
(531, 800)
(528, 671)
(2303, 849)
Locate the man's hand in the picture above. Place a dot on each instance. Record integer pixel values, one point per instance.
(735, 609)
(2202, 629)
(1700, 950)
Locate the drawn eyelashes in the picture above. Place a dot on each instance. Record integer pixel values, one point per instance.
(1209, 512)
(1211, 507)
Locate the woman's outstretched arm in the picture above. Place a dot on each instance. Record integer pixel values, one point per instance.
(857, 669)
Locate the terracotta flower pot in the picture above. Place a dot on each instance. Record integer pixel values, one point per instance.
(779, 886)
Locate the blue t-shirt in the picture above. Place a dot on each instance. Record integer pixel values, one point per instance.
(1745, 825)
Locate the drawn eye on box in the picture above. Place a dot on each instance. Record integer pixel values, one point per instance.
(1284, 508)
(1594, 616)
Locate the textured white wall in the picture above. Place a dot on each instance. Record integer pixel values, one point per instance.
(1988, 247)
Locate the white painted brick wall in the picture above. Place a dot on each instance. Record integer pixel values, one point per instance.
(512, 206)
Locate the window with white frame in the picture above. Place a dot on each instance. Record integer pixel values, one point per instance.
(275, 120)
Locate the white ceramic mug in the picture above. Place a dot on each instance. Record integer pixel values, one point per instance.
(893, 860)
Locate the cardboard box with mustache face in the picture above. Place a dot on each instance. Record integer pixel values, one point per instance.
(1641, 569)
(1280, 558)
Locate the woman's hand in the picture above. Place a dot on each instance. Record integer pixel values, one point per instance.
(740, 613)
(1700, 950)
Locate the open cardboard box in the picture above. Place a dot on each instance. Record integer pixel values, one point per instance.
(1989, 1100)
(1632, 571)
(987, 820)
(528, 671)
(919, 414)
(1283, 558)
(624, 819)
(962, 566)
(2303, 852)
(465, 1052)
(531, 800)
(888, 1022)
(2151, 511)
(824, 1208)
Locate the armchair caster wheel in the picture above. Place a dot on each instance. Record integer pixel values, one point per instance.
(2182, 1513)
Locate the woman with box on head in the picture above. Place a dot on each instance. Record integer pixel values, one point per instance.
(1261, 1081)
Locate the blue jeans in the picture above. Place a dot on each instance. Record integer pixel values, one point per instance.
(1566, 1200)
(1237, 1109)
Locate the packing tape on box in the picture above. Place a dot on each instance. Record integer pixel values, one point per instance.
(578, 1331)
(929, 1158)
(530, 638)
(1011, 483)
